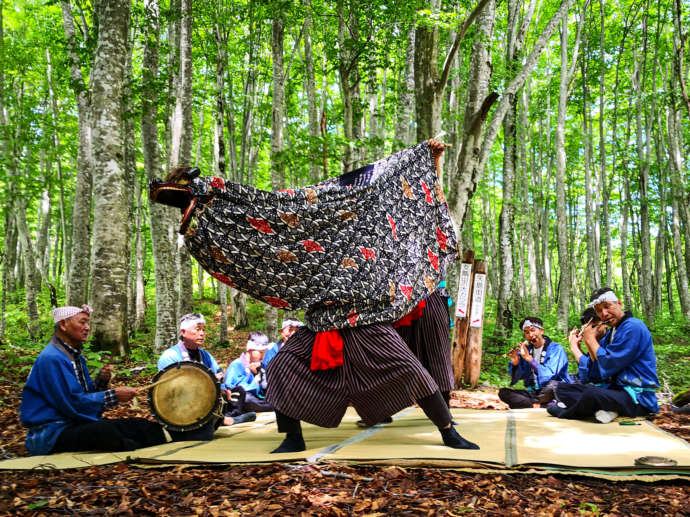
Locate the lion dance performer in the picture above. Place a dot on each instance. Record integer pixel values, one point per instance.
(357, 252)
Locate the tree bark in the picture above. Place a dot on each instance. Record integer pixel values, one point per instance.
(112, 247)
(403, 134)
(162, 217)
(77, 285)
(310, 87)
(504, 314)
(181, 146)
(643, 164)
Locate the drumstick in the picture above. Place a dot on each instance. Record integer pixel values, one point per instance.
(148, 387)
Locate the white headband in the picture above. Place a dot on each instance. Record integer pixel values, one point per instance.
(530, 323)
(258, 342)
(189, 322)
(63, 313)
(291, 323)
(608, 296)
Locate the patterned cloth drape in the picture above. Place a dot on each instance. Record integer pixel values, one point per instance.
(362, 248)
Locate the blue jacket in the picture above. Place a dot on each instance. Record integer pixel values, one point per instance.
(271, 353)
(53, 398)
(238, 374)
(174, 355)
(552, 367)
(629, 360)
(588, 371)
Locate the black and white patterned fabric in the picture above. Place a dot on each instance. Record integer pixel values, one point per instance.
(359, 249)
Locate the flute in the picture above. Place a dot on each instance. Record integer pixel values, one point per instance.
(579, 334)
(515, 349)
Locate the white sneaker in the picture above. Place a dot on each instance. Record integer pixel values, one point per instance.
(605, 417)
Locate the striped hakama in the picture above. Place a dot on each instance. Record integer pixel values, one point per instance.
(429, 339)
(379, 377)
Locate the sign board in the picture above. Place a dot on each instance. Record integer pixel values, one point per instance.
(477, 314)
(462, 300)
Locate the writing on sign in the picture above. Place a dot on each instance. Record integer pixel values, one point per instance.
(478, 300)
(463, 290)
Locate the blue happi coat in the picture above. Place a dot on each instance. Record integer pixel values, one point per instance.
(629, 360)
(552, 366)
(178, 353)
(53, 398)
(239, 374)
(271, 353)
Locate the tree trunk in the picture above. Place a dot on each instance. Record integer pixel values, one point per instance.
(504, 314)
(603, 182)
(162, 217)
(427, 95)
(593, 275)
(403, 134)
(139, 263)
(564, 263)
(77, 285)
(682, 282)
(57, 145)
(112, 247)
(223, 305)
(310, 87)
(32, 276)
(181, 147)
(625, 209)
(642, 140)
(277, 144)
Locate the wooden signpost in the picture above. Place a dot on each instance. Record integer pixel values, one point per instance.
(466, 353)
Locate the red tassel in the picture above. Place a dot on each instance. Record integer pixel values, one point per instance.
(328, 350)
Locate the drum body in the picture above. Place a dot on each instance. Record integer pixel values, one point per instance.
(187, 397)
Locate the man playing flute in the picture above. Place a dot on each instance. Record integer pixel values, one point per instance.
(626, 356)
(536, 363)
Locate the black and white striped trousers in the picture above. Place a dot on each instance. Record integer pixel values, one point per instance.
(429, 339)
(380, 376)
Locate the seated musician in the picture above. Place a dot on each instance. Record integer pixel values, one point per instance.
(587, 369)
(536, 364)
(625, 355)
(188, 348)
(62, 405)
(287, 329)
(246, 376)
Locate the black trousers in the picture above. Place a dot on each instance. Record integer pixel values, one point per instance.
(518, 399)
(124, 434)
(243, 402)
(584, 400)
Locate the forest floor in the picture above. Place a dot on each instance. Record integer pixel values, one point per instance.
(307, 489)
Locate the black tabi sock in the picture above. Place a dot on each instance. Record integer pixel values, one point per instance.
(451, 438)
(293, 443)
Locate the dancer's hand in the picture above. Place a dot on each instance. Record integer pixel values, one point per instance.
(437, 149)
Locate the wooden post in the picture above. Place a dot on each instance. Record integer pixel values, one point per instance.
(462, 320)
(473, 359)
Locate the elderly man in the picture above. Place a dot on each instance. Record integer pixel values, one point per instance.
(537, 363)
(62, 406)
(625, 355)
(188, 348)
(287, 329)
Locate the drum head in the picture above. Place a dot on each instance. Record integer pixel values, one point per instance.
(188, 397)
